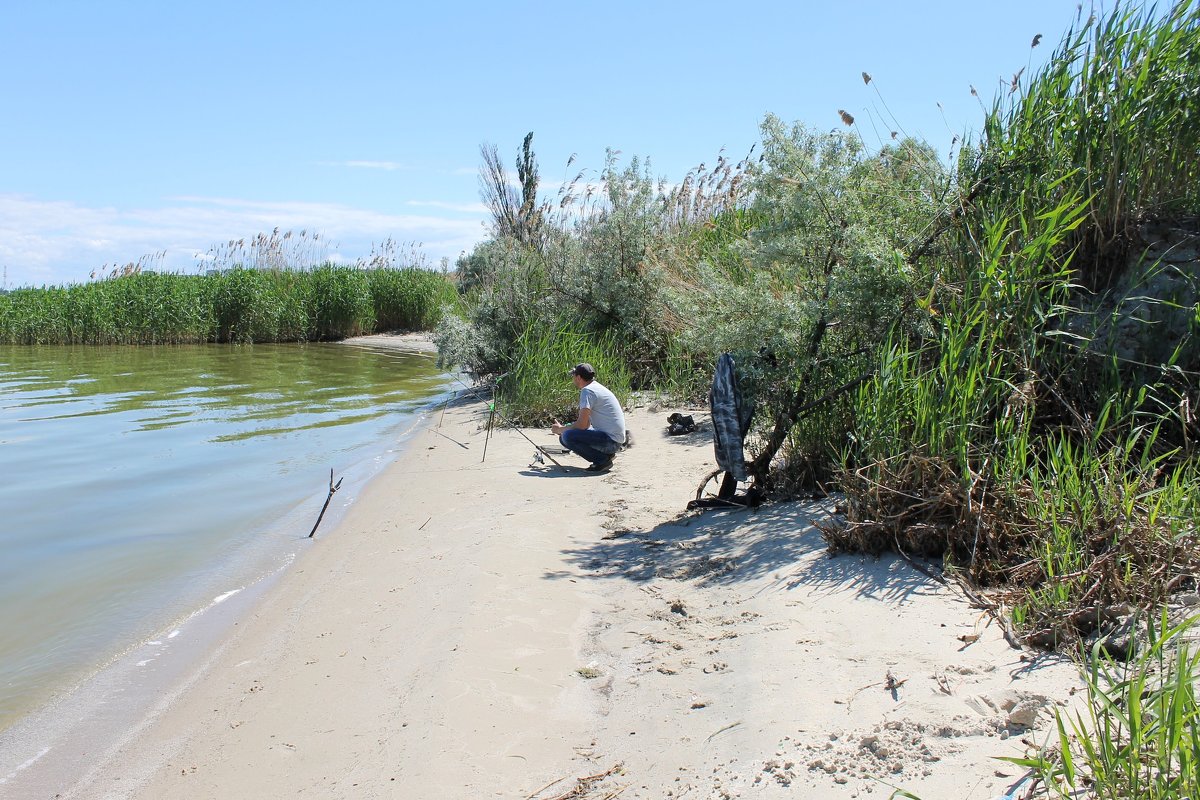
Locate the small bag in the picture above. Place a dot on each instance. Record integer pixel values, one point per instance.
(679, 424)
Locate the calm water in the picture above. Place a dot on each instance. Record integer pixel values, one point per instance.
(136, 483)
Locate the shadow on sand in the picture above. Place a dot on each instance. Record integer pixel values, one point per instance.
(737, 547)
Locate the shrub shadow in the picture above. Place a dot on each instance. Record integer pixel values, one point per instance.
(735, 547)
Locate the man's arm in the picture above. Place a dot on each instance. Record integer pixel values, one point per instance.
(582, 423)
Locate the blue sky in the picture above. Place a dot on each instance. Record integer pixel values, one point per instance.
(135, 127)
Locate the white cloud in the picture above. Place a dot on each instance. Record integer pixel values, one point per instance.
(392, 166)
(466, 208)
(45, 241)
(388, 166)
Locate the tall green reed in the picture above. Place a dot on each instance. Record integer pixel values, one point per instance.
(1138, 733)
(966, 445)
(237, 304)
(409, 299)
(340, 303)
(958, 393)
(253, 305)
(539, 387)
(1114, 117)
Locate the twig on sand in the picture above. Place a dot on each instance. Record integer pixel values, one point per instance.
(582, 785)
(860, 690)
(994, 610)
(891, 684)
(491, 421)
(716, 733)
(976, 600)
(332, 488)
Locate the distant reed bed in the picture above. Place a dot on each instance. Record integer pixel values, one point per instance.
(237, 304)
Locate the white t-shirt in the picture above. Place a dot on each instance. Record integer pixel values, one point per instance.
(607, 415)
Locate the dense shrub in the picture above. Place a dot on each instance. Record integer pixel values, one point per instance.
(940, 342)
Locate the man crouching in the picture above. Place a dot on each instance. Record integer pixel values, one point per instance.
(600, 429)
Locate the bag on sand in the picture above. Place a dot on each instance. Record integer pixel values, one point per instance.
(679, 424)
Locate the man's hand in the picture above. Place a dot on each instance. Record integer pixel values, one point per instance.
(557, 428)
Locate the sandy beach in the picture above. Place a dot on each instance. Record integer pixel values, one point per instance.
(496, 628)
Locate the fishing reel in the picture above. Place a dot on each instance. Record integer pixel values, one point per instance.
(540, 454)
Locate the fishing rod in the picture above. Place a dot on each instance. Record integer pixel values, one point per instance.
(474, 390)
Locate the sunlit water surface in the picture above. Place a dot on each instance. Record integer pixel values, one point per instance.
(137, 484)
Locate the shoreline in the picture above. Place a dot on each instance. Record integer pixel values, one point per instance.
(414, 341)
(116, 695)
(488, 628)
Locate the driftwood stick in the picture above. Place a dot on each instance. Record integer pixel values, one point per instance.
(332, 488)
(582, 785)
(992, 609)
(918, 567)
(491, 420)
(707, 478)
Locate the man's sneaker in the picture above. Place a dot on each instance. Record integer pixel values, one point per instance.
(600, 466)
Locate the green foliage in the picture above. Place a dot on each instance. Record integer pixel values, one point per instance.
(672, 277)
(934, 393)
(342, 303)
(606, 268)
(1001, 433)
(539, 388)
(233, 305)
(515, 215)
(1138, 734)
(718, 243)
(595, 261)
(138, 308)
(1113, 117)
(411, 299)
(505, 294)
(821, 278)
(253, 305)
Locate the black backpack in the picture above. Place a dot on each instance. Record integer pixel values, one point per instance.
(679, 424)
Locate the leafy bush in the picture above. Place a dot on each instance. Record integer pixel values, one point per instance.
(1113, 117)
(600, 256)
(509, 295)
(1007, 435)
(822, 280)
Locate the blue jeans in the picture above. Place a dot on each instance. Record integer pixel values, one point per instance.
(594, 445)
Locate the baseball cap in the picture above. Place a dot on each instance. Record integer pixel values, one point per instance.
(584, 370)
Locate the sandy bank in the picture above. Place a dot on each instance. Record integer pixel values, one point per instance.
(490, 629)
(419, 341)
